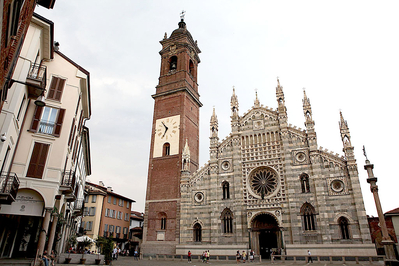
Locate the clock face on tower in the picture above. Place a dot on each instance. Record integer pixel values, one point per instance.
(166, 133)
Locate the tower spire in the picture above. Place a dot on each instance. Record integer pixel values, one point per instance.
(307, 111)
(282, 110)
(186, 157)
(256, 102)
(214, 124)
(234, 104)
(309, 123)
(346, 139)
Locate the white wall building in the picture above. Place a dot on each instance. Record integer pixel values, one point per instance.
(45, 147)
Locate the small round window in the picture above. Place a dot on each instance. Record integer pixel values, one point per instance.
(337, 185)
(300, 157)
(225, 165)
(199, 197)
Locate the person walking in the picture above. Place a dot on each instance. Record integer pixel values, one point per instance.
(238, 256)
(244, 256)
(189, 256)
(310, 257)
(251, 256)
(114, 252)
(207, 256)
(136, 255)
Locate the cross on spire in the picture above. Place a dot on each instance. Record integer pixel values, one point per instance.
(182, 14)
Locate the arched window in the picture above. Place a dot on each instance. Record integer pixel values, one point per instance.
(173, 63)
(305, 183)
(308, 217)
(191, 69)
(197, 233)
(227, 221)
(226, 190)
(343, 225)
(162, 218)
(166, 149)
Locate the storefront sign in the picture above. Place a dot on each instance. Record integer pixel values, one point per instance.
(28, 202)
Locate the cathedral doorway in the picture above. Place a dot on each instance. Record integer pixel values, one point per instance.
(265, 235)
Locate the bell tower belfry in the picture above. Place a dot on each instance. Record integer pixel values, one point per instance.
(175, 124)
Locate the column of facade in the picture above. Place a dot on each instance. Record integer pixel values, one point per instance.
(52, 233)
(43, 231)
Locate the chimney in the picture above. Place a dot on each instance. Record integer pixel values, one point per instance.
(101, 183)
(109, 189)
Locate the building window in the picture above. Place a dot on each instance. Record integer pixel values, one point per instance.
(227, 221)
(85, 211)
(105, 230)
(344, 227)
(89, 225)
(162, 217)
(56, 88)
(86, 199)
(173, 63)
(92, 211)
(120, 202)
(111, 230)
(47, 120)
(226, 190)
(106, 212)
(166, 149)
(305, 183)
(38, 160)
(127, 204)
(197, 232)
(308, 217)
(114, 201)
(109, 199)
(126, 217)
(125, 230)
(93, 198)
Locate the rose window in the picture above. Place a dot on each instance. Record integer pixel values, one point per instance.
(263, 182)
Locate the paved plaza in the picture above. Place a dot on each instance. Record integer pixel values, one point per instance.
(125, 261)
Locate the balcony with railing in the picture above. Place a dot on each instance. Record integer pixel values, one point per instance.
(36, 79)
(46, 127)
(68, 182)
(78, 207)
(9, 184)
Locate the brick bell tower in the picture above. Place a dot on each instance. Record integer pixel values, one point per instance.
(175, 121)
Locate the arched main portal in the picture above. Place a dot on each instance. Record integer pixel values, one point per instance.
(265, 235)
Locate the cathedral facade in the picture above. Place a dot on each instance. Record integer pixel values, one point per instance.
(267, 186)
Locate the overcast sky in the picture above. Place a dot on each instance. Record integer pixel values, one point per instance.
(345, 53)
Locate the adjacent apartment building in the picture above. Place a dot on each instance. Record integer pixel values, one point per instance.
(44, 148)
(106, 214)
(15, 19)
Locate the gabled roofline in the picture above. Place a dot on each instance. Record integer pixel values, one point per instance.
(84, 71)
(51, 33)
(109, 192)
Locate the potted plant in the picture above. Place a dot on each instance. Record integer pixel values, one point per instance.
(87, 242)
(72, 242)
(107, 245)
(98, 245)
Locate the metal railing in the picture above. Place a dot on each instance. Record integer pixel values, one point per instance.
(38, 74)
(46, 127)
(78, 204)
(9, 184)
(68, 179)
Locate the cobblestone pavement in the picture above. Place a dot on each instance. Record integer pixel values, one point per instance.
(125, 261)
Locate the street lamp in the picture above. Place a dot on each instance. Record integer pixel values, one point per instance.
(390, 258)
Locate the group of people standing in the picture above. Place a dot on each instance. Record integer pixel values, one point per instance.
(243, 256)
(47, 260)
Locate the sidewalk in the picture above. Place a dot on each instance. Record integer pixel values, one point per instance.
(125, 261)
